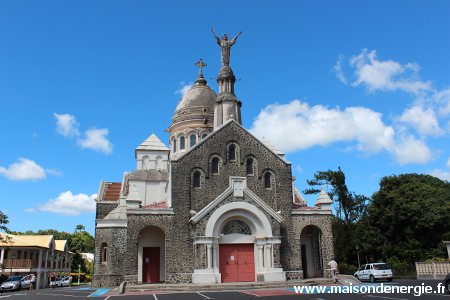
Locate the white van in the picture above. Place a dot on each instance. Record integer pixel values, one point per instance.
(373, 272)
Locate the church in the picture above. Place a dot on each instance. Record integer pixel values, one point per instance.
(215, 205)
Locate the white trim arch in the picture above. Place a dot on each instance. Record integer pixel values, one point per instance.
(256, 219)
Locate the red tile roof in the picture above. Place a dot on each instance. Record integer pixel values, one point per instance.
(112, 191)
(157, 205)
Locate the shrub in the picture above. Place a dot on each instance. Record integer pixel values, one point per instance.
(347, 269)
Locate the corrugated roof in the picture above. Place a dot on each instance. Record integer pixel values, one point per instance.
(112, 191)
(60, 245)
(42, 241)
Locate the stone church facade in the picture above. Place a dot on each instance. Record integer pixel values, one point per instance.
(216, 205)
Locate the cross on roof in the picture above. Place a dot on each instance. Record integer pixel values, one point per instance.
(200, 64)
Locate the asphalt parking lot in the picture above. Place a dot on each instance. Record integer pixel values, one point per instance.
(282, 293)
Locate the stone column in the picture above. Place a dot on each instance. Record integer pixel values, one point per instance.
(261, 257)
(2, 254)
(215, 257)
(267, 254)
(52, 261)
(39, 271)
(209, 256)
(46, 268)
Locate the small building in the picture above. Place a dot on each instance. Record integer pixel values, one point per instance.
(40, 255)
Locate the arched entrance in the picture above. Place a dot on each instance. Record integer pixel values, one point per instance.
(311, 251)
(236, 252)
(239, 246)
(151, 255)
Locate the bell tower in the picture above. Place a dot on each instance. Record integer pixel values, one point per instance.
(227, 105)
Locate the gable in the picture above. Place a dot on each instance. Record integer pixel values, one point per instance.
(238, 187)
(230, 131)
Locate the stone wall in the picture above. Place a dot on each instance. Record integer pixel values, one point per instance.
(291, 254)
(102, 209)
(179, 259)
(279, 197)
(109, 273)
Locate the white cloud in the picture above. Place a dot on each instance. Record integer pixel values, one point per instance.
(385, 75)
(442, 98)
(54, 172)
(23, 169)
(67, 125)
(448, 162)
(338, 70)
(409, 150)
(297, 126)
(96, 139)
(319, 125)
(443, 175)
(184, 87)
(424, 120)
(69, 204)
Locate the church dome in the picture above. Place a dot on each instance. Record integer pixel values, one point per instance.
(198, 95)
(197, 102)
(193, 118)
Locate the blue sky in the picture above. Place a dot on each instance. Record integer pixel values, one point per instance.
(363, 85)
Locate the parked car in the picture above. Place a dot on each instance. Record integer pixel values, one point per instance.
(65, 281)
(61, 281)
(374, 271)
(15, 283)
(447, 283)
(56, 282)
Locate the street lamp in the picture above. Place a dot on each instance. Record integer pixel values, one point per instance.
(79, 271)
(357, 253)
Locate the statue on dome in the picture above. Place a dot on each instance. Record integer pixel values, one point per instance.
(225, 44)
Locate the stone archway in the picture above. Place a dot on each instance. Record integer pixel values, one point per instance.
(311, 251)
(151, 255)
(256, 246)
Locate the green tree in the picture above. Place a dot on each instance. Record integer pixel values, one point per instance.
(408, 218)
(3, 221)
(82, 241)
(349, 206)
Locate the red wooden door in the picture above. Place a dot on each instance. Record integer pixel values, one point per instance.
(246, 263)
(237, 263)
(150, 264)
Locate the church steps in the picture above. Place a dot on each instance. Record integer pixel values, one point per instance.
(223, 286)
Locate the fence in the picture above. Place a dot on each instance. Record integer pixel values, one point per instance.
(432, 270)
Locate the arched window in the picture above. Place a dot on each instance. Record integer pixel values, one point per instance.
(267, 180)
(232, 152)
(250, 166)
(215, 165)
(192, 140)
(182, 143)
(104, 253)
(174, 145)
(204, 135)
(196, 179)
